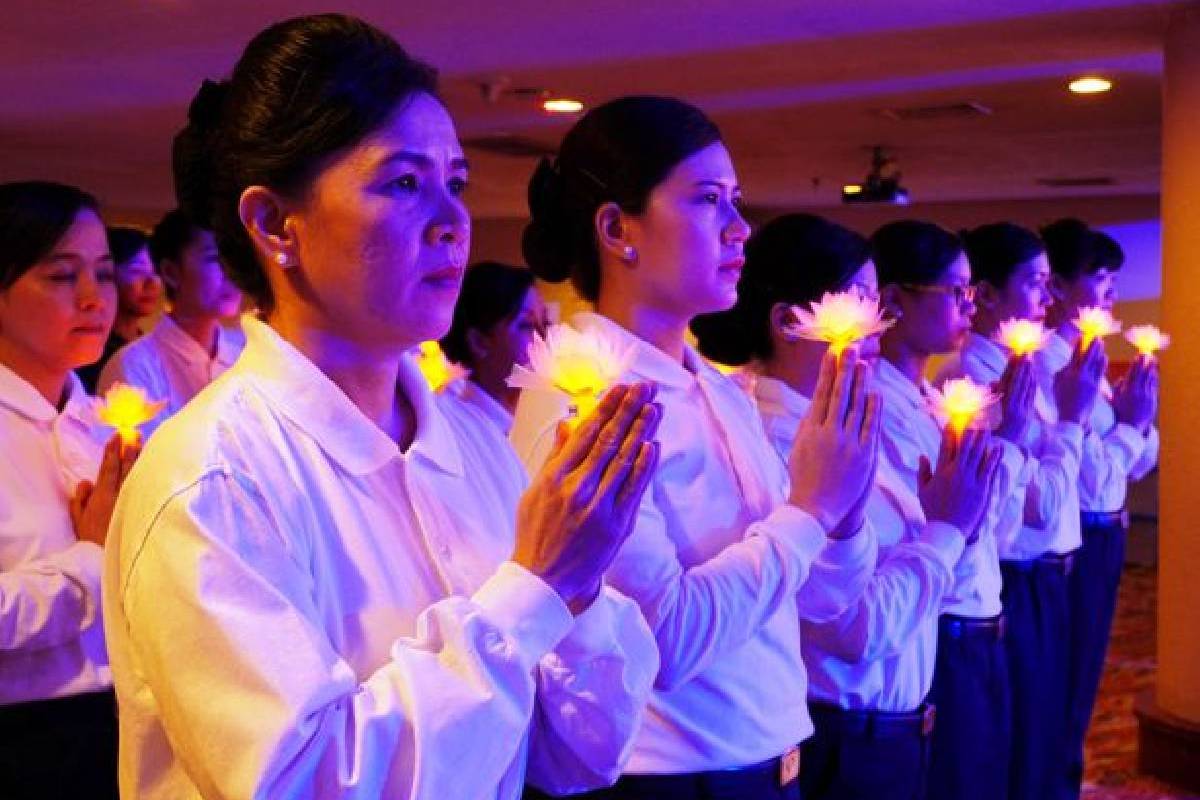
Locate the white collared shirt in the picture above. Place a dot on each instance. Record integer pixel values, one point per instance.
(880, 653)
(472, 394)
(299, 609)
(1114, 454)
(1049, 522)
(721, 565)
(910, 431)
(51, 637)
(170, 365)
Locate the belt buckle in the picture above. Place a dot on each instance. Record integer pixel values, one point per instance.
(789, 766)
(928, 719)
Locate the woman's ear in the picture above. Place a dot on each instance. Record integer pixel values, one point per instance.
(264, 214)
(782, 319)
(889, 300)
(479, 345)
(613, 234)
(986, 295)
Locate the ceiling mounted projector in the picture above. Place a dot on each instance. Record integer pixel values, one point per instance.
(882, 184)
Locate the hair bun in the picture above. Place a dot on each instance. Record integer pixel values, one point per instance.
(546, 240)
(191, 152)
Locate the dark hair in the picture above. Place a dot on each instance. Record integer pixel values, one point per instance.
(34, 216)
(1074, 249)
(910, 251)
(995, 251)
(174, 232)
(303, 90)
(616, 153)
(125, 243)
(491, 292)
(793, 259)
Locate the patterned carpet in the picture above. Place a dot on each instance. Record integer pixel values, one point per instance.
(1112, 741)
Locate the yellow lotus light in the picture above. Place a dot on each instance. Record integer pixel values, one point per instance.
(1147, 339)
(962, 403)
(581, 365)
(841, 319)
(1023, 337)
(438, 371)
(1095, 323)
(127, 408)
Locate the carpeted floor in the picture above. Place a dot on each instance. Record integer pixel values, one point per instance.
(1112, 741)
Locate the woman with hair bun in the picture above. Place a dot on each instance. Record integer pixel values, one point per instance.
(641, 211)
(869, 669)
(323, 580)
(499, 311)
(58, 483)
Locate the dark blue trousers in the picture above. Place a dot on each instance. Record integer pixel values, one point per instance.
(754, 783)
(59, 749)
(865, 755)
(971, 740)
(1093, 592)
(1037, 603)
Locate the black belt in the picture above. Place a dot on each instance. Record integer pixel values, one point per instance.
(873, 724)
(688, 782)
(59, 711)
(1105, 519)
(1061, 563)
(956, 627)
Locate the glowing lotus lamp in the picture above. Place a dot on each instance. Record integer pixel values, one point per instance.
(961, 403)
(841, 319)
(1147, 339)
(127, 408)
(438, 371)
(1095, 323)
(582, 365)
(1023, 337)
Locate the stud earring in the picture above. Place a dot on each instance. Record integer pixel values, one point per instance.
(282, 259)
(629, 253)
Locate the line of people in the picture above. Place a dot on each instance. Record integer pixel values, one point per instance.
(322, 579)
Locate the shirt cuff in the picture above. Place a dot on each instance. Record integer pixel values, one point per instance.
(1072, 432)
(797, 531)
(523, 606)
(946, 540)
(1130, 438)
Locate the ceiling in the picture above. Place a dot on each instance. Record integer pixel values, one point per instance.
(92, 93)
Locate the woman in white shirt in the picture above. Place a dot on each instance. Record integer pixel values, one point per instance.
(1120, 445)
(58, 483)
(497, 315)
(641, 210)
(869, 669)
(319, 581)
(1037, 542)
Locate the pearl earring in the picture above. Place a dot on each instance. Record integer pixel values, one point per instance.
(282, 259)
(629, 253)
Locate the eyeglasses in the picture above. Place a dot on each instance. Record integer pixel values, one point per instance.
(961, 294)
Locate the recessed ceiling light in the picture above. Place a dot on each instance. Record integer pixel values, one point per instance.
(1090, 84)
(852, 188)
(561, 105)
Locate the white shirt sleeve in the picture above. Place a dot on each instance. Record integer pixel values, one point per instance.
(701, 612)
(905, 590)
(1056, 469)
(255, 698)
(51, 600)
(592, 693)
(1149, 458)
(1110, 458)
(838, 576)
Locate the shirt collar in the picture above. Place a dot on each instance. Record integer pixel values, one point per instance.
(1057, 352)
(896, 384)
(307, 397)
(987, 352)
(19, 395)
(773, 393)
(176, 338)
(649, 362)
